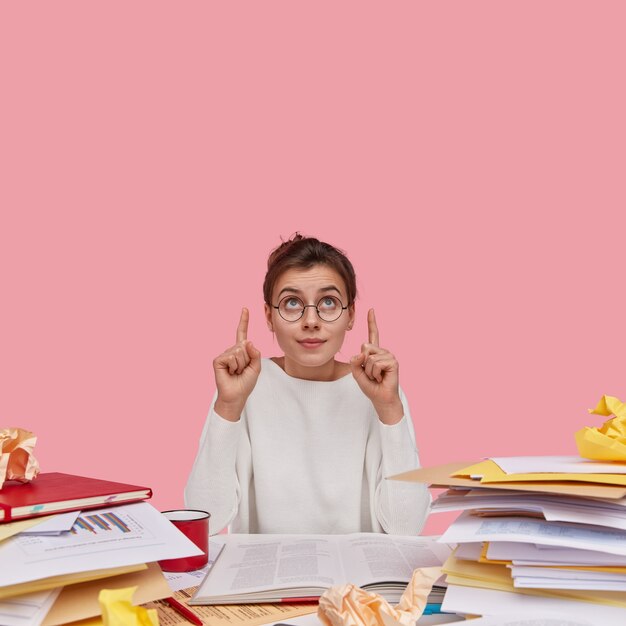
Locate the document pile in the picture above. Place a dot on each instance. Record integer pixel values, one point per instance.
(537, 535)
(52, 568)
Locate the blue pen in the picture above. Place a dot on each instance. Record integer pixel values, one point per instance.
(431, 609)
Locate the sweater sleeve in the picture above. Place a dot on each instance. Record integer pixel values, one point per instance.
(401, 508)
(212, 484)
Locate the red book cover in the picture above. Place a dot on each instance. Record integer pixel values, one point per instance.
(55, 492)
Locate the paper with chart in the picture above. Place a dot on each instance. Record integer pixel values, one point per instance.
(109, 537)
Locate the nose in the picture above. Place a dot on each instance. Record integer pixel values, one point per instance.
(310, 318)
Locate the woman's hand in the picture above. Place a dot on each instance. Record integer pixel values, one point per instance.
(236, 372)
(376, 372)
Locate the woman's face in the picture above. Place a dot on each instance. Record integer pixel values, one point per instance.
(310, 343)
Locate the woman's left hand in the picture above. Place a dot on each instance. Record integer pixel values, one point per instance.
(376, 372)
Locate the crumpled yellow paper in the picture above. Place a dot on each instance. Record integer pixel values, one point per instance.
(349, 605)
(607, 443)
(118, 610)
(16, 455)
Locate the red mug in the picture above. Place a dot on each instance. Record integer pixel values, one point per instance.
(195, 526)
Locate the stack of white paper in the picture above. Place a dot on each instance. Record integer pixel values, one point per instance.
(102, 542)
(552, 553)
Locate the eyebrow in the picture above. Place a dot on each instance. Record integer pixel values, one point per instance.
(299, 291)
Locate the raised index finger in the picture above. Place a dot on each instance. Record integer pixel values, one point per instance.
(242, 329)
(372, 328)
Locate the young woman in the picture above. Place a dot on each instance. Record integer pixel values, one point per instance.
(302, 443)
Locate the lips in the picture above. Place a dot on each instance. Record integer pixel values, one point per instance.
(311, 343)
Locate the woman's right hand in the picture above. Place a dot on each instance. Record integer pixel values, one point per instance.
(236, 372)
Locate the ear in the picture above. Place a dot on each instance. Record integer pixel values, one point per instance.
(351, 316)
(268, 317)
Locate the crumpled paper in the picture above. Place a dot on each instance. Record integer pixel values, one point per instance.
(118, 610)
(349, 605)
(16, 455)
(607, 443)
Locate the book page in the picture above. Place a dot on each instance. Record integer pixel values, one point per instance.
(271, 562)
(373, 557)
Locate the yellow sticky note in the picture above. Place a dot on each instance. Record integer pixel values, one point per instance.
(118, 610)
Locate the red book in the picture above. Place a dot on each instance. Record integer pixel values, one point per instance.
(54, 492)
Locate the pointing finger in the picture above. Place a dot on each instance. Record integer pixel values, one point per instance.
(242, 329)
(372, 328)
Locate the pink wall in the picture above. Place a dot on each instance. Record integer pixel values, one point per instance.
(468, 156)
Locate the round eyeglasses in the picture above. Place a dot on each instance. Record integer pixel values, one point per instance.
(291, 308)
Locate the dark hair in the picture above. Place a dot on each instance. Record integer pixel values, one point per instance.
(303, 253)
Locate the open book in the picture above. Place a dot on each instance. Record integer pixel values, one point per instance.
(276, 568)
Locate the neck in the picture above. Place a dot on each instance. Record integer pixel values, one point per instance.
(332, 370)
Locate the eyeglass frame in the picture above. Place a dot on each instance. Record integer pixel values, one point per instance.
(306, 306)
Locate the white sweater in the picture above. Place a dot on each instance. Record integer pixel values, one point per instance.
(307, 457)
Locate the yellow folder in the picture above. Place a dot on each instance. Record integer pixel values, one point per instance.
(80, 601)
(614, 569)
(492, 473)
(447, 476)
(52, 582)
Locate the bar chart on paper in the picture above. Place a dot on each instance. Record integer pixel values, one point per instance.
(98, 523)
(117, 536)
(91, 532)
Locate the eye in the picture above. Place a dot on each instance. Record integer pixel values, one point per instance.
(292, 303)
(328, 303)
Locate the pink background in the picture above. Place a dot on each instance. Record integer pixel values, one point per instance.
(469, 157)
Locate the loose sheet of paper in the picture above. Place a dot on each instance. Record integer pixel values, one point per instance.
(29, 609)
(559, 578)
(184, 580)
(54, 524)
(552, 508)
(474, 601)
(532, 554)
(10, 529)
(556, 464)
(516, 620)
(468, 528)
(230, 614)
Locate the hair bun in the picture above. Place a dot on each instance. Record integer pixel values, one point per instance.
(305, 252)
